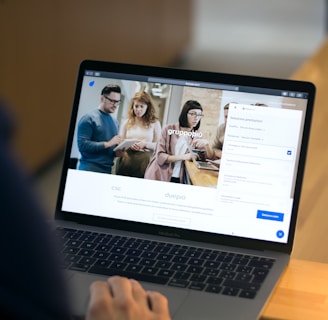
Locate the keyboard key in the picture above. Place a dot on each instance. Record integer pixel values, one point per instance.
(150, 255)
(116, 257)
(73, 243)
(179, 267)
(134, 252)
(247, 294)
(72, 258)
(197, 278)
(118, 265)
(72, 235)
(212, 264)
(134, 268)
(79, 267)
(86, 252)
(209, 256)
(260, 272)
(146, 246)
(134, 260)
(132, 244)
(165, 273)
(71, 250)
(227, 274)
(180, 259)
(165, 257)
(87, 237)
(197, 286)
(118, 250)
(177, 251)
(147, 262)
(224, 258)
(214, 280)
(228, 266)
(241, 285)
(193, 254)
(102, 263)
(196, 262)
(240, 261)
(101, 239)
(103, 248)
(230, 291)
(211, 272)
(116, 242)
(101, 255)
(179, 283)
(261, 264)
(213, 288)
(88, 245)
(194, 269)
(244, 277)
(244, 269)
(163, 264)
(182, 275)
(162, 249)
(150, 270)
(88, 260)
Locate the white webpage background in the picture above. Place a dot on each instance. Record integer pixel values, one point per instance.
(257, 169)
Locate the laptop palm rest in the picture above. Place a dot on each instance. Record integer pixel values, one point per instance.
(80, 284)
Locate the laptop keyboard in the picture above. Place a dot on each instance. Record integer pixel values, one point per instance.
(174, 265)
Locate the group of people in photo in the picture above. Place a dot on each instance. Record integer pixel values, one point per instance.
(157, 152)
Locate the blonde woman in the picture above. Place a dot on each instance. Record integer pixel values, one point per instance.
(143, 125)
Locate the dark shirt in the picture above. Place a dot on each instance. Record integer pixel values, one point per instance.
(31, 283)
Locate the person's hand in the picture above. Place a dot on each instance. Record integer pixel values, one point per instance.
(190, 156)
(203, 144)
(200, 143)
(114, 141)
(138, 146)
(124, 299)
(119, 153)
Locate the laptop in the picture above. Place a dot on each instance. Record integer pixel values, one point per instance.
(204, 165)
(215, 252)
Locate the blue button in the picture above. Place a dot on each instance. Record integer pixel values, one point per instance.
(280, 234)
(268, 215)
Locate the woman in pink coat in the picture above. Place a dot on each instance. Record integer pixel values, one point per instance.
(174, 145)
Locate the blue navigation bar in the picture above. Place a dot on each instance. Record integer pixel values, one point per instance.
(268, 215)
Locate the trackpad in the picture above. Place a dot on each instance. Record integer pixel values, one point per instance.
(79, 292)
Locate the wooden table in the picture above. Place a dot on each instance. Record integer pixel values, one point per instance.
(302, 293)
(312, 224)
(201, 177)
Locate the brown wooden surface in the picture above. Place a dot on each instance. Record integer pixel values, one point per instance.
(302, 293)
(43, 42)
(312, 225)
(201, 177)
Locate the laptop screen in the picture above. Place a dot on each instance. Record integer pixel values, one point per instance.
(131, 153)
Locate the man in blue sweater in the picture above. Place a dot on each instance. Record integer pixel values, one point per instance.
(98, 133)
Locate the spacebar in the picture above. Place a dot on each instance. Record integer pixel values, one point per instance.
(128, 274)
